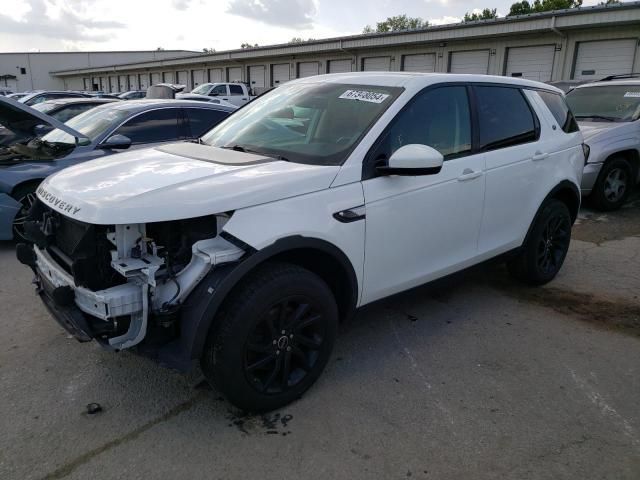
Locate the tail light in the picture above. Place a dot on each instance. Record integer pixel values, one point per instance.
(586, 150)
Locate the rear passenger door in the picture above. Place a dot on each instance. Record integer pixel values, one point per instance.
(201, 120)
(508, 133)
(154, 126)
(422, 227)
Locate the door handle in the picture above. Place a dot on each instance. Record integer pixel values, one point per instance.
(539, 156)
(468, 174)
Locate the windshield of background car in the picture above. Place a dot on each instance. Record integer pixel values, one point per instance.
(92, 124)
(45, 106)
(202, 89)
(312, 123)
(616, 103)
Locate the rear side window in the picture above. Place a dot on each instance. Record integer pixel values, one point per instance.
(236, 90)
(560, 110)
(201, 120)
(504, 116)
(152, 127)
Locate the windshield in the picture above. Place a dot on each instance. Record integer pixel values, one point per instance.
(44, 107)
(313, 123)
(202, 89)
(613, 103)
(92, 124)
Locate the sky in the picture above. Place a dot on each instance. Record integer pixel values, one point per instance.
(69, 25)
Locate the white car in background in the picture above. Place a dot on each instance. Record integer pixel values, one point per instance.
(608, 113)
(236, 93)
(246, 249)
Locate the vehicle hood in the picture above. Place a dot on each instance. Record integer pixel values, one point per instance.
(176, 181)
(22, 119)
(591, 129)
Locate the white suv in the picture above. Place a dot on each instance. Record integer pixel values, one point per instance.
(245, 250)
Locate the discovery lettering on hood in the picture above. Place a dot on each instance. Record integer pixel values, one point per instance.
(51, 199)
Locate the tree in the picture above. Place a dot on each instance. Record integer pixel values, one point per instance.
(486, 14)
(248, 45)
(396, 24)
(209, 50)
(159, 49)
(610, 2)
(300, 40)
(524, 7)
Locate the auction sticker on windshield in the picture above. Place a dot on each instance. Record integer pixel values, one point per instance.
(363, 95)
(632, 94)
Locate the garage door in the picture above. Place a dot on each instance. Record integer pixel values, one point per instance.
(280, 74)
(308, 69)
(234, 74)
(144, 81)
(113, 84)
(533, 63)
(598, 59)
(256, 76)
(421, 62)
(376, 64)
(469, 62)
(183, 78)
(122, 83)
(215, 75)
(168, 77)
(155, 78)
(87, 84)
(339, 66)
(133, 82)
(198, 77)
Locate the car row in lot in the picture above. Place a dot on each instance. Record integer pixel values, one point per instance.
(244, 248)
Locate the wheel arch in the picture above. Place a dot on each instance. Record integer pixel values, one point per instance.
(319, 256)
(32, 181)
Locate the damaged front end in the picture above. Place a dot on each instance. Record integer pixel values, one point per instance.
(122, 285)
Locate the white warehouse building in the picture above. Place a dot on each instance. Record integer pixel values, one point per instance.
(22, 71)
(576, 44)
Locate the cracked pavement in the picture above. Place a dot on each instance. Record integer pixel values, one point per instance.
(472, 377)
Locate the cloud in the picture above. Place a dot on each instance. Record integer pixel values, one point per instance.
(296, 14)
(68, 25)
(180, 4)
(446, 20)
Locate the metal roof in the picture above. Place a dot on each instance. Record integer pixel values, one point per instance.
(586, 17)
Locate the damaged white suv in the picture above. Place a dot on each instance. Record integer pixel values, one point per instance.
(246, 249)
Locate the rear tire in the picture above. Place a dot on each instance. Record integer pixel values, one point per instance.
(546, 246)
(613, 185)
(272, 338)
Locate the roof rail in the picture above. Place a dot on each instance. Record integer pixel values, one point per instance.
(617, 77)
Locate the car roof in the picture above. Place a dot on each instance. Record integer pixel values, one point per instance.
(631, 82)
(148, 104)
(72, 100)
(417, 80)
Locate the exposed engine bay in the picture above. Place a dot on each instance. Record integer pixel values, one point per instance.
(122, 277)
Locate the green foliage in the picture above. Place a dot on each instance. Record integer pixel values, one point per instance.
(301, 40)
(208, 50)
(486, 14)
(397, 24)
(248, 45)
(524, 7)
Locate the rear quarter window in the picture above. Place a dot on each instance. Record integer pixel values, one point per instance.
(560, 111)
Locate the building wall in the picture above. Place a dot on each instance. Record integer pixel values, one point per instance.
(37, 66)
(564, 56)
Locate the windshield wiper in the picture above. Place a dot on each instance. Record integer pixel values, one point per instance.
(598, 117)
(240, 148)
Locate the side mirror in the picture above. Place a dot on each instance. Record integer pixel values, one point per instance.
(413, 159)
(116, 142)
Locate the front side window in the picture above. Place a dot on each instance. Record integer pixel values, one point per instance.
(236, 90)
(560, 110)
(201, 120)
(220, 90)
(439, 118)
(152, 127)
(504, 117)
(313, 123)
(609, 103)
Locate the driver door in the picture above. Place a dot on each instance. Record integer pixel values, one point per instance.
(419, 228)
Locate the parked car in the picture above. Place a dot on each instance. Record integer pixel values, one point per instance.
(5, 91)
(235, 93)
(65, 109)
(133, 95)
(16, 96)
(204, 98)
(608, 113)
(99, 132)
(321, 196)
(42, 96)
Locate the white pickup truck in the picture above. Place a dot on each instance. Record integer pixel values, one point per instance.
(236, 93)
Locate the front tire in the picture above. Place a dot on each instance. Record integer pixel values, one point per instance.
(546, 246)
(613, 185)
(26, 195)
(272, 338)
